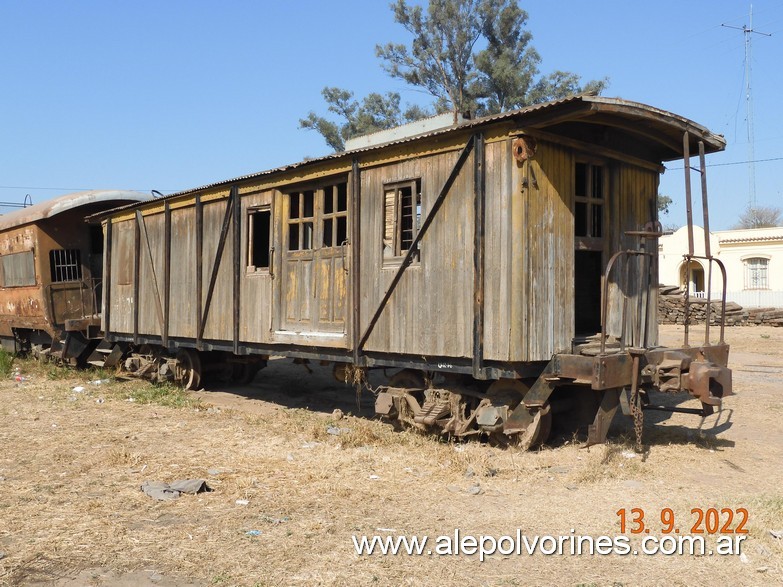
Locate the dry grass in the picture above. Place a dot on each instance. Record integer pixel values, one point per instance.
(70, 504)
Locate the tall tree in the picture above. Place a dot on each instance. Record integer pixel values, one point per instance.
(760, 217)
(467, 54)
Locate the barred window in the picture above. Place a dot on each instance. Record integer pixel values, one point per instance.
(757, 273)
(66, 265)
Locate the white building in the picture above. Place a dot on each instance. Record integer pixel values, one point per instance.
(753, 259)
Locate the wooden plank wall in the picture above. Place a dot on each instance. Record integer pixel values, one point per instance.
(635, 191)
(256, 289)
(549, 230)
(529, 252)
(430, 311)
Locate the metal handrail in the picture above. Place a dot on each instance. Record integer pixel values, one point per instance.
(708, 318)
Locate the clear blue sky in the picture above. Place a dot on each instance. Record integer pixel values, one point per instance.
(170, 95)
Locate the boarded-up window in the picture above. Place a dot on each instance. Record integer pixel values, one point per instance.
(259, 238)
(19, 269)
(402, 217)
(65, 265)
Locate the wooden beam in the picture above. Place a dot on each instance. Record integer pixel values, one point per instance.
(216, 264)
(479, 200)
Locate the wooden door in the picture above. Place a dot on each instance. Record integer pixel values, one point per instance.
(314, 273)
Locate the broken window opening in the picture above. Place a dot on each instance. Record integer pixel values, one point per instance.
(259, 239)
(402, 217)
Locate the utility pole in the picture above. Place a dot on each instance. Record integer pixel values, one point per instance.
(748, 31)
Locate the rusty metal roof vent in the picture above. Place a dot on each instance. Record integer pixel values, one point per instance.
(404, 131)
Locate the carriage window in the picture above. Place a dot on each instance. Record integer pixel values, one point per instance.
(19, 269)
(65, 265)
(300, 220)
(402, 217)
(589, 192)
(335, 215)
(259, 238)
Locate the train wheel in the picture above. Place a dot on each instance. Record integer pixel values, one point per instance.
(407, 378)
(244, 373)
(413, 381)
(188, 369)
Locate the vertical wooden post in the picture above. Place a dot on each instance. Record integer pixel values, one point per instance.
(136, 278)
(106, 302)
(479, 200)
(237, 261)
(199, 266)
(166, 272)
(355, 240)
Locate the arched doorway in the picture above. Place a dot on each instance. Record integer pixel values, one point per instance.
(693, 273)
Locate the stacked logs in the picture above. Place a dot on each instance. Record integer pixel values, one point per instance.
(767, 316)
(671, 309)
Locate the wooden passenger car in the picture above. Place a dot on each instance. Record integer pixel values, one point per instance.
(51, 265)
(476, 249)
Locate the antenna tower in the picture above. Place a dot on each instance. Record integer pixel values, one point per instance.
(748, 31)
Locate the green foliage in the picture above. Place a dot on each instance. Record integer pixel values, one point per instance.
(375, 112)
(469, 55)
(663, 204)
(6, 363)
(163, 394)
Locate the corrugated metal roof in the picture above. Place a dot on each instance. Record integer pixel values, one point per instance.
(66, 202)
(623, 109)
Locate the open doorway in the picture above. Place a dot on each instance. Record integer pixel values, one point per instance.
(693, 276)
(588, 269)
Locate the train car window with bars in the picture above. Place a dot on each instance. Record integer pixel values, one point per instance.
(65, 264)
(589, 197)
(402, 217)
(756, 273)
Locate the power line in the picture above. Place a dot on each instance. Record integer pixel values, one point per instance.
(733, 163)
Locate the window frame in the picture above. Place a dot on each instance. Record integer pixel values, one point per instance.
(65, 265)
(31, 255)
(760, 265)
(392, 235)
(252, 212)
(592, 239)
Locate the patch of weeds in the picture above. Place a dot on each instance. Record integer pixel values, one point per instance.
(56, 372)
(6, 363)
(163, 394)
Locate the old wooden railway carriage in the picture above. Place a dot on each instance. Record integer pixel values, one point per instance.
(50, 267)
(474, 258)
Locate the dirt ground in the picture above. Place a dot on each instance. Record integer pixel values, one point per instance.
(292, 484)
